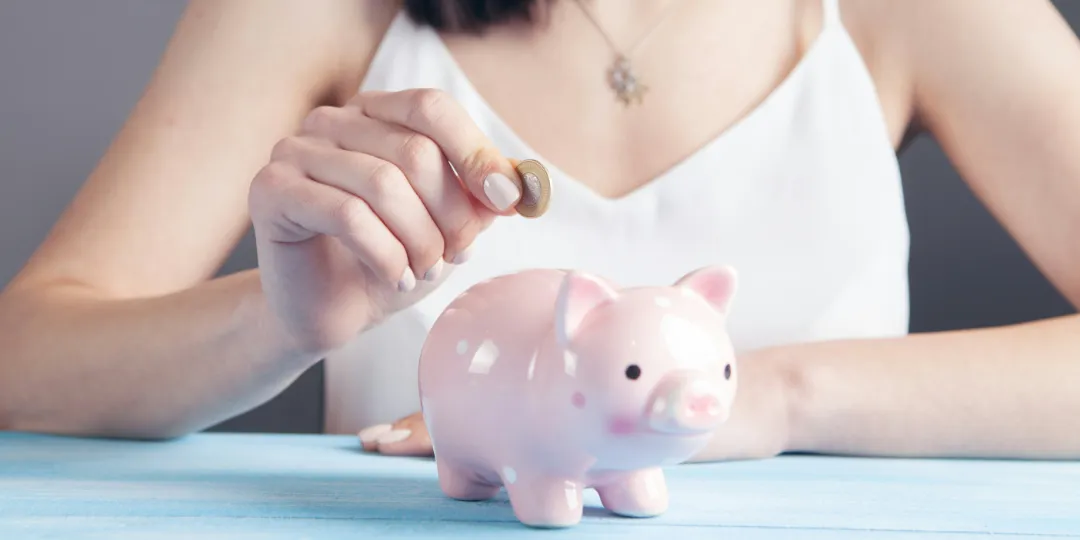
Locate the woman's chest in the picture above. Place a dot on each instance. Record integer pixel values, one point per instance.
(809, 239)
(704, 70)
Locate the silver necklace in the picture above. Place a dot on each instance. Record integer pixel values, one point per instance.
(622, 78)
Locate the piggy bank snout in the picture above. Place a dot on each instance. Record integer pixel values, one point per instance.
(687, 403)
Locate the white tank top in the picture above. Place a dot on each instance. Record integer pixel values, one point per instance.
(802, 196)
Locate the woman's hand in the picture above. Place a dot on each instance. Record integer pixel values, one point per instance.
(758, 426)
(407, 436)
(761, 416)
(356, 215)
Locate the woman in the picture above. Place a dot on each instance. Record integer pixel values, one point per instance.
(370, 143)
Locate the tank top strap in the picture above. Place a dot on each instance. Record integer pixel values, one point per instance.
(830, 10)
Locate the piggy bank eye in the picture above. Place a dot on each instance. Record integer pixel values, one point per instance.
(633, 372)
(727, 372)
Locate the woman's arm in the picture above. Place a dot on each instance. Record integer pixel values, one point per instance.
(112, 327)
(998, 85)
(76, 361)
(989, 393)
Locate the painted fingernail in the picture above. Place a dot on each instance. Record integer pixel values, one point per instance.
(463, 256)
(433, 273)
(394, 436)
(501, 191)
(407, 281)
(369, 434)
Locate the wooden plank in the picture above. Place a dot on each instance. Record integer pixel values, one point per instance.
(322, 487)
(187, 528)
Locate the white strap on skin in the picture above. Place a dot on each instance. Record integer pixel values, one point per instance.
(830, 10)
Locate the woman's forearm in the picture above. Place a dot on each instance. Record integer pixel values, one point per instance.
(1011, 392)
(150, 368)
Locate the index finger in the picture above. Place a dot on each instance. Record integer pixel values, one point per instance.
(483, 170)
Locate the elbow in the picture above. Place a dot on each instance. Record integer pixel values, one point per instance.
(15, 382)
(7, 422)
(9, 405)
(160, 432)
(48, 398)
(67, 425)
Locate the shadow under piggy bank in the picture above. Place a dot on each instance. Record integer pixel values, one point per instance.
(413, 496)
(421, 500)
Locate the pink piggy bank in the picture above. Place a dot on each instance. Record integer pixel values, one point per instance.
(548, 382)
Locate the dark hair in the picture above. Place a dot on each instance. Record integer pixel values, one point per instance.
(470, 16)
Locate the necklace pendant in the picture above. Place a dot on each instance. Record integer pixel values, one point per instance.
(624, 82)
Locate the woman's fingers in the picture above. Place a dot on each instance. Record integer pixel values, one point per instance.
(298, 208)
(406, 171)
(438, 116)
(458, 215)
(406, 437)
(383, 188)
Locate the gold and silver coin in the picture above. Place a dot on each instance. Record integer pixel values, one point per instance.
(535, 188)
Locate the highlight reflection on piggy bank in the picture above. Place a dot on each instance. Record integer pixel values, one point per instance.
(548, 382)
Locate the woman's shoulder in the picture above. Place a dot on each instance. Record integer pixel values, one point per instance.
(235, 78)
(932, 49)
(332, 41)
(920, 51)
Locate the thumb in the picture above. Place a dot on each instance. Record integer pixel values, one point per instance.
(492, 179)
(476, 160)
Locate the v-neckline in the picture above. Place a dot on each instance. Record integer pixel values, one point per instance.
(710, 146)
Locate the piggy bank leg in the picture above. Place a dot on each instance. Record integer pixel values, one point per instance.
(636, 494)
(545, 502)
(461, 483)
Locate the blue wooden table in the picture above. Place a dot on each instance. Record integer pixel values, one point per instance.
(313, 487)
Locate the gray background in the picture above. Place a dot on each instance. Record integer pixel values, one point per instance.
(70, 71)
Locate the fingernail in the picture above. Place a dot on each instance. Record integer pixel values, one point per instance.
(501, 191)
(407, 281)
(463, 256)
(433, 273)
(369, 434)
(394, 436)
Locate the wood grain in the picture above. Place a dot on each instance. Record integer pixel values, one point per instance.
(323, 487)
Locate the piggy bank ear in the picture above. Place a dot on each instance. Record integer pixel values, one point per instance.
(716, 284)
(578, 295)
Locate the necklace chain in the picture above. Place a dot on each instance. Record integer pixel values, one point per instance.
(621, 76)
